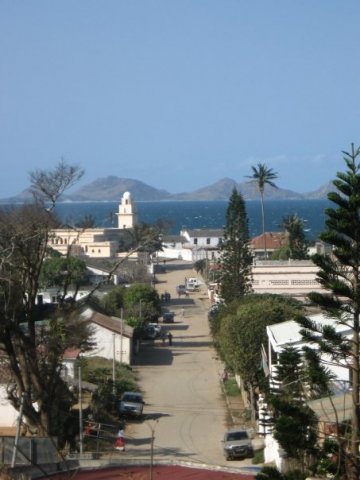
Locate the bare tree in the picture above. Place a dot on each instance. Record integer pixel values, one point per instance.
(33, 354)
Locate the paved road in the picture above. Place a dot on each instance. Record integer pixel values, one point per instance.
(185, 409)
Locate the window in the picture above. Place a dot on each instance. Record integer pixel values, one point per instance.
(195, 241)
(208, 241)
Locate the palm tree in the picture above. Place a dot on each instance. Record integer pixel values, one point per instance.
(262, 176)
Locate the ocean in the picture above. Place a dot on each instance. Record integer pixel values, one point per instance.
(203, 214)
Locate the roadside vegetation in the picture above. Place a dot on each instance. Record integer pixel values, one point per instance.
(238, 328)
(104, 405)
(35, 335)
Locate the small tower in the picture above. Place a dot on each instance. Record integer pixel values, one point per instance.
(127, 216)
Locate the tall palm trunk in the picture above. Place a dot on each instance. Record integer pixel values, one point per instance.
(263, 222)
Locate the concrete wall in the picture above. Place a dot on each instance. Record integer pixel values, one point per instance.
(104, 339)
(8, 414)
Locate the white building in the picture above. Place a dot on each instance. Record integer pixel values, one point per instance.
(127, 215)
(112, 336)
(295, 278)
(288, 334)
(96, 242)
(193, 245)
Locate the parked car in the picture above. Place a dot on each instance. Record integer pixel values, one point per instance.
(131, 404)
(193, 284)
(237, 444)
(156, 327)
(150, 332)
(181, 290)
(168, 317)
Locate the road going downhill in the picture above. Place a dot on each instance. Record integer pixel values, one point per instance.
(185, 410)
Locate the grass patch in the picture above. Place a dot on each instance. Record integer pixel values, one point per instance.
(231, 388)
(104, 405)
(258, 457)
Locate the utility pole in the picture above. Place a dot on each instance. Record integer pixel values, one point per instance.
(121, 336)
(80, 415)
(152, 429)
(113, 363)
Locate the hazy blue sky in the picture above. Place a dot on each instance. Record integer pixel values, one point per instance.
(179, 93)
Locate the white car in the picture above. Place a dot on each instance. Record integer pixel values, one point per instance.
(237, 444)
(131, 404)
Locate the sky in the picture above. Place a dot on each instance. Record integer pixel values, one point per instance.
(178, 93)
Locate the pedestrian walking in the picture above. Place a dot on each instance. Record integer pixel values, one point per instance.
(120, 440)
(170, 338)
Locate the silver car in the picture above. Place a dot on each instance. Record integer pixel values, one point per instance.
(237, 444)
(131, 404)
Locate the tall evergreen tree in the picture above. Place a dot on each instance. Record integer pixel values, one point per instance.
(339, 274)
(236, 258)
(294, 421)
(298, 245)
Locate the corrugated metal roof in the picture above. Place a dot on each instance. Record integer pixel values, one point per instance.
(111, 323)
(334, 409)
(288, 333)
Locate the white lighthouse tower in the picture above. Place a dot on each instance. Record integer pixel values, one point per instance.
(127, 216)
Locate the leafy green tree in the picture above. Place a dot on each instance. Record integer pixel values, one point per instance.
(241, 332)
(235, 258)
(64, 273)
(142, 301)
(298, 245)
(339, 274)
(143, 238)
(113, 301)
(202, 266)
(262, 176)
(282, 253)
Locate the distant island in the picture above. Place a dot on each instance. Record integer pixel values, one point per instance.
(110, 189)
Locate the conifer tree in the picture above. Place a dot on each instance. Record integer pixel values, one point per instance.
(298, 245)
(339, 274)
(294, 421)
(236, 258)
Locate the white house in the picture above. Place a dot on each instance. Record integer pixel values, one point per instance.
(286, 334)
(69, 359)
(113, 337)
(193, 245)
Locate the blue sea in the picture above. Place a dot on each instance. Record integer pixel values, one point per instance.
(203, 214)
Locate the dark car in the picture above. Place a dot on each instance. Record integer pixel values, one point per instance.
(168, 317)
(181, 290)
(237, 444)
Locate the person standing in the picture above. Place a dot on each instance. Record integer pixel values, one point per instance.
(170, 338)
(120, 440)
